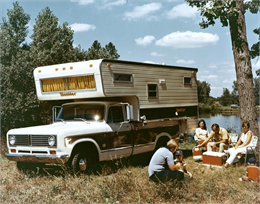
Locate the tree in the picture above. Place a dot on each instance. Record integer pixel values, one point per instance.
(110, 51)
(14, 63)
(203, 91)
(96, 51)
(226, 98)
(52, 44)
(231, 13)
(234, 93)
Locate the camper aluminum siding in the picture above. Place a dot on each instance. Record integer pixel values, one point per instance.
(176, 87)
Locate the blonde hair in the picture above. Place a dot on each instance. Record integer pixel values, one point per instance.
(172, 144)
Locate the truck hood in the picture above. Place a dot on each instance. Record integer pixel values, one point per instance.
(69, 128)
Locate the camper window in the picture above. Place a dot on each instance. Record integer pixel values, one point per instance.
(187, 81)
(122, 77)
(152, 91)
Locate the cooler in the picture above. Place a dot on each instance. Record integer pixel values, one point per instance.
(253, 173)
(197, 153)
(214, 158)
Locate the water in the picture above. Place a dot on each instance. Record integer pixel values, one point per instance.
(226, 121)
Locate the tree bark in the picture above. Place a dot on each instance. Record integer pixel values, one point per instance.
(243, 67)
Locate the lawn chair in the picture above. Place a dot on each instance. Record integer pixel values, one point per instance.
(252, 148)
(233, 138)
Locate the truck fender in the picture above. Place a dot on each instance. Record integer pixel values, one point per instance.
(161, 140)
(87, 140)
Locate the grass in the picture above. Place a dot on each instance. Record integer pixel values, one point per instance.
(125, 181)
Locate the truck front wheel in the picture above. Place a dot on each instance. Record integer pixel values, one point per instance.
(80, 163)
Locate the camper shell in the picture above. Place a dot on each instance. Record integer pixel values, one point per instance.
(170, 91)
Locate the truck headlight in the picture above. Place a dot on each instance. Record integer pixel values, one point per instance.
(52, 140)
(11, 139)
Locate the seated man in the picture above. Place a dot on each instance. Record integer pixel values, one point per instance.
(162, 167)
(221, 138)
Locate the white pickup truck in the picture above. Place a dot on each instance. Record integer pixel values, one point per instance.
(116, 109)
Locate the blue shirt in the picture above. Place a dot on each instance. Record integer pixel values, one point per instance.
(160, 158)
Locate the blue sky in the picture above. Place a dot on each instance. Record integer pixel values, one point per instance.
(163, 32)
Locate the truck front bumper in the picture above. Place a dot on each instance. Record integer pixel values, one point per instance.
(47, 159)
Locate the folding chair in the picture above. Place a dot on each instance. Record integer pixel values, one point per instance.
(252, 148)
(233, 138)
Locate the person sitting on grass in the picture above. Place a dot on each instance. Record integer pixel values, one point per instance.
(245, 140)
(179, 159)
(161, 167)
(221, 138)
(201, 132)
(252, 171)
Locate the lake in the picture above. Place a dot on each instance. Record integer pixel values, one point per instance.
(224, 120)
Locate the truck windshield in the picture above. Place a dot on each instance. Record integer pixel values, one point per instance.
(81, 111)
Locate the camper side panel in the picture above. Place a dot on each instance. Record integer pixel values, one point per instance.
(155, 86)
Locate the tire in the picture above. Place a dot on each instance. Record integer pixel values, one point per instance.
(80, 163)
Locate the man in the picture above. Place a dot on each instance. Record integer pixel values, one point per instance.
(162, 167)
(221, 138)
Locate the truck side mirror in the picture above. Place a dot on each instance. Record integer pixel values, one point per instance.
(129, 112)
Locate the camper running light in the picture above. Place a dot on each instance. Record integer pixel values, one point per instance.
(91, 65)
(52, 140)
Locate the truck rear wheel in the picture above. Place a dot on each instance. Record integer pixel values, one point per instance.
(80, 163)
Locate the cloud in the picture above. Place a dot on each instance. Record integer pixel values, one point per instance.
(155, 54)
(145, 41)
(109, 4)
(142, 11)
(212, 66)
(187, 39)
(151, 62)
(181, 61)
(182, 11)
(81, 27)
(83, 2)
(210, 77)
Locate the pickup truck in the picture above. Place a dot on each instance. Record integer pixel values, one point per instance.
(86, 132)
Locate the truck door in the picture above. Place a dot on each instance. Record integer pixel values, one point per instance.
(120, 139)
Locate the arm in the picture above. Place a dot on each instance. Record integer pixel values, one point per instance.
(246, 142)
(205, 141)
(175, 167)
(238, 143)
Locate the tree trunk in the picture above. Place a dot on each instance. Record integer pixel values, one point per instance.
(243, 67)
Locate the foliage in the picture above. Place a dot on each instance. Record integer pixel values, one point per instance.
(97, 52)
(51, 44)
(254, 52)
(256, 89)
(203, 91)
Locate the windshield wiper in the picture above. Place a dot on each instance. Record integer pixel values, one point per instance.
(82, 119)
(61, 120)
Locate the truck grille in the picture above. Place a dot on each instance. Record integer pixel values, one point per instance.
(32, 140)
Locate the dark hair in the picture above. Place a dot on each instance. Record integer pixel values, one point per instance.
(201, 120)
(215, 124)
(246, 123)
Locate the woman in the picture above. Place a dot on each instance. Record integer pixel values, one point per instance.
(201, 132)
(245, 139)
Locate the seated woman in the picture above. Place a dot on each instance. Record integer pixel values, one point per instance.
(201, 132)
(245, 139)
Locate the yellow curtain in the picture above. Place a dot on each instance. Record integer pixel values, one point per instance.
(74, 83)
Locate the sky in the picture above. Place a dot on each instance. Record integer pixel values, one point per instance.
(151, 31)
